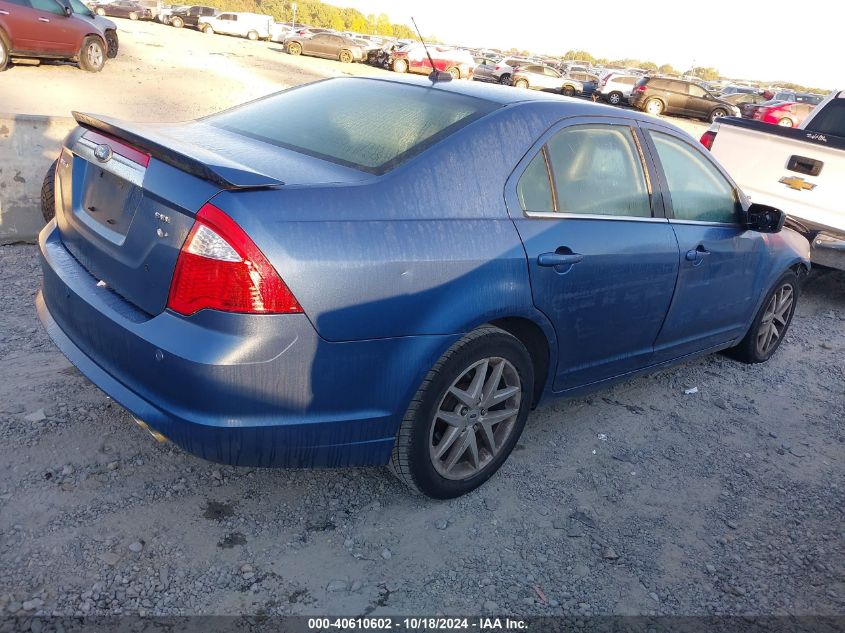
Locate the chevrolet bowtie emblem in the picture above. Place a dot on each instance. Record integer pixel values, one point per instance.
(799, 184)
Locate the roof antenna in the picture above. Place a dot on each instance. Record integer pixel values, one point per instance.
(435, 74)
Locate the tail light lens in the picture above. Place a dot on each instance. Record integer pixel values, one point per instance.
(640, 88)
(221, 268)
(707, 139)
(498, 67)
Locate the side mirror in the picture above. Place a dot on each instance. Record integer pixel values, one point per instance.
(765, 219)
(68, 12)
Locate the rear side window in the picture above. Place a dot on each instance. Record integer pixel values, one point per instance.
(595, 169)
(366, 124)
(831, 119)
(698, 190)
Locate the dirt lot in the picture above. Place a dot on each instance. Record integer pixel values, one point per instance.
(638, 500)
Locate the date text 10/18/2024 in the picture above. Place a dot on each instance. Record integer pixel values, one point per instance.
(427, 623)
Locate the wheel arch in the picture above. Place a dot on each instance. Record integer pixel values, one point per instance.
(536, 342)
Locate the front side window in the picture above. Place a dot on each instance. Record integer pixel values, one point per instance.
(50, 6)
(696, 91)
(699, 192)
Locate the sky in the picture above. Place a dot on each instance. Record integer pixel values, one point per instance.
(766, 40)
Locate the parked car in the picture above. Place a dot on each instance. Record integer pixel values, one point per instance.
(499, 72)
(253, 26)
(413, 58)
(658, 95)
(615, 88)
(191, 16)
(798, 97)
(742, 98)
(538, 77)
(122, 9)
(295, 301)
(798, 169)
(329, 45)
(748, 110)
(166, 12)
(589, 81)
(279, 32)
(108, 28)
(735, 89)
(48, 29)
(783, 113)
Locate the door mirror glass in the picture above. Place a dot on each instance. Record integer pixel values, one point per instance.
(765, 219)
(68, 11)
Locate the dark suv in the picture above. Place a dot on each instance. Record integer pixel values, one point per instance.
(658, 95)
(191, 16)
(46, 29)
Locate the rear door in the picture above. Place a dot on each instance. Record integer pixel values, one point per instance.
(721, 261)
(602, 259)
(20, 21)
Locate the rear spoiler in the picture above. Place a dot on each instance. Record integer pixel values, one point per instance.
(188, 157)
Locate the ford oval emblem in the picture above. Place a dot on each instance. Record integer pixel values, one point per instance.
(103, 153)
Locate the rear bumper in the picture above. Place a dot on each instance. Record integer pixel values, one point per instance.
(256, 390)
(827, 249)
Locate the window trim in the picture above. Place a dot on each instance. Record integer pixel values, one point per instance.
(515, 209)
(648, 126)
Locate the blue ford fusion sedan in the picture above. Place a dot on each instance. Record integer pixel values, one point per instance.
(365, 272)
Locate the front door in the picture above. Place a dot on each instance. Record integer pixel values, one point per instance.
(601, 259)
(721, 261)
(57, 32)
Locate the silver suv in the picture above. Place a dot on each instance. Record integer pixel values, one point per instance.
(538, 77)
(615, 88)
(499, 72)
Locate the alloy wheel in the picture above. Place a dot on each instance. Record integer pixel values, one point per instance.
(94, 53)
(475, 418)
(614, 98)
(775, 319)
(654, 107)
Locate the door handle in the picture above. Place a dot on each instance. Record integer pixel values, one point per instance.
(559, 259)
(4, 13)
(43, 20)
(697, 254)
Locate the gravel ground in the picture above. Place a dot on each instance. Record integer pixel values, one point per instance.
(640, 499)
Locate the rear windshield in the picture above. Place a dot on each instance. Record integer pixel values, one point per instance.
(366, 124)
(831, 119)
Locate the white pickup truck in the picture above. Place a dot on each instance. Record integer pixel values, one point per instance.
(800, 171)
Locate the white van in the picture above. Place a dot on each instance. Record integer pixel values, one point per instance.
(254, 26)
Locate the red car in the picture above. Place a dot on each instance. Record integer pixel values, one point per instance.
(785, 113)
(412, 58)
(47, 29)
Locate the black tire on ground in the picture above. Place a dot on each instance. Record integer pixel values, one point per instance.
(4, 54)
(112, 43)
(411, 461)
(177, 22)
(48, 193)
(567, 91)
(614, 98)
(92, 55)
(717, 113)
(748, 350)
(505, 79)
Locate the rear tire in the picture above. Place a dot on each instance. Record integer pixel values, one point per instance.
(252, 35)
(716, 114)
(521, 83)
(133, 16)
(614, 98)
(295, 48)
(400, 66)
(772, 322)
(654, 106)
(505, 79)
(567, 91)
(48, 193)
(786, 122)
(456, 74)
(506, 365)
(177, 22)
(92, 55)
(4, 54)
(346, 56)
(101, 11)
(207, 30)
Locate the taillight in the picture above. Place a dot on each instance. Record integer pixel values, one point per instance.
(640, 88)
(498, 68)
(707, 139)
(221, 268)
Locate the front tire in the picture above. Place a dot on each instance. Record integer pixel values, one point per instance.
(133, 16)
(466, 416)
(400, 66)
(4, 55)
(101, 11)
(206, 29)
(716, 114)
(295, 48)
(177, 22)
(505, 79)
(456, 74)
(112, 44)
(614, 98)
(786, 122)
(252, 35)
(346, 57)
(92, 55)
(521, 83)
(567, 91)
(772, 322)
